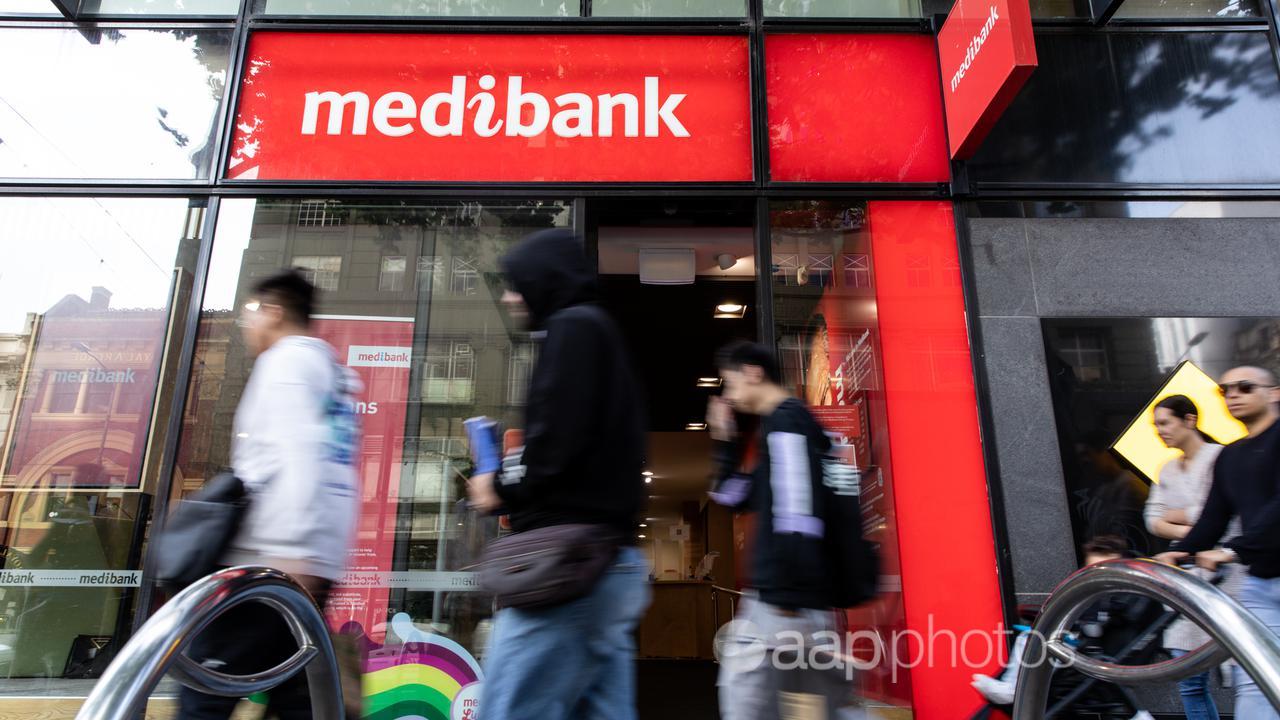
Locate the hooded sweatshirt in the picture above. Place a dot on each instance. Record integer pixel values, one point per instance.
(295, 445)
(584, 423)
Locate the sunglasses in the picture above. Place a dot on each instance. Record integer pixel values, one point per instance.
(1245, 387)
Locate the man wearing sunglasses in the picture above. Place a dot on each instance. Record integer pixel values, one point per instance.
(1246, 483)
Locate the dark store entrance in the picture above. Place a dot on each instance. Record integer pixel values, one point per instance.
(680, 277)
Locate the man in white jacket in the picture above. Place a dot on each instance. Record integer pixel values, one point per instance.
(295, 446)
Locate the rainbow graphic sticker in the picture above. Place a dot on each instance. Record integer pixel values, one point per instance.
(429, 677)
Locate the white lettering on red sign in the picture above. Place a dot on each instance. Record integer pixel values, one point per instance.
(443, 114)
(975, 46)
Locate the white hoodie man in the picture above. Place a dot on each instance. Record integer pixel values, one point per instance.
(295, 445)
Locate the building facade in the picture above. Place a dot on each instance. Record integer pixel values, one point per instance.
(979, 331)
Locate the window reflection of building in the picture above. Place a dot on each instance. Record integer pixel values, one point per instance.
(1085, 350)
(431, 273)
(320, 213)
(857, 270)
(323, 271)
(15, 348)
(448, 373)
(522, 358)
(87, 393)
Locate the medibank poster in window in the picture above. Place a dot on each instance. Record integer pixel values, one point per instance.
(499, 108)
(85, 396)
(379, 351)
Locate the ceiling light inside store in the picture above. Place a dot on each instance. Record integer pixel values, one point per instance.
(647, 473)
(729, 310)
(708, 382)
(648, 480)
(696, 426)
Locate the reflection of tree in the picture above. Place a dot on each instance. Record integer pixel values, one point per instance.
(1099, 100)
(212, 49)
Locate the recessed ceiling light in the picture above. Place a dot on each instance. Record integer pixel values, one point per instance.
(647, 473)
(641, 536)
(696, 426)
(644, 524)
(729, 310)
(648, 480)
(709, 382)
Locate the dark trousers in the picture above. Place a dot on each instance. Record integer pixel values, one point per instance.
(250, 638)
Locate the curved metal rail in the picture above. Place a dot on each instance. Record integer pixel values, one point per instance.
(157, 648)
(733, 596)
(1235, 632)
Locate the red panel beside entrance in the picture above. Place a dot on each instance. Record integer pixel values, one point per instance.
(855, 108)
(947, 549)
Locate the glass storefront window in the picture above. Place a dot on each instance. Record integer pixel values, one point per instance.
(28, 7)
(423, 8)
(842, 8)
(161, 7)
(829, 347)
(89, 290)
(110, 103)
(668, 8)
(127, 7)
(1175, 117)
(411, 303)
(855, 8)
(1104, 372)
(1150, 9)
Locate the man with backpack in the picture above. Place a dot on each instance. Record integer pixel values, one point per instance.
(808, 552)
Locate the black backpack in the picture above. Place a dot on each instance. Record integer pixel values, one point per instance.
(854, 561)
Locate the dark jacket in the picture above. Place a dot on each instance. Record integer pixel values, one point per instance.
(789, 565)
(1246, 483)
(584, 424)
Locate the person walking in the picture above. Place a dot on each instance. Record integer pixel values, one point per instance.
(1246, 483)
(295, 442)
(581, 463)
(1172, 509)
(790, 593)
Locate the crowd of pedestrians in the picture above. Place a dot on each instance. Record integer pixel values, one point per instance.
(576, 483)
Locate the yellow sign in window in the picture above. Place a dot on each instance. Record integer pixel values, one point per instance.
(1142, 447)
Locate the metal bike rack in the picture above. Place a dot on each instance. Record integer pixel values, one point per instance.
(158, 647)
(1234, 632)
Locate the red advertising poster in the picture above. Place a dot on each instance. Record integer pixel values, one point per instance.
(499, 108)
(85, 405)
(987, 51)
(378, 350)
(854, 108)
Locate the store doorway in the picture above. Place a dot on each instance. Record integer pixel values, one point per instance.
(680, 278)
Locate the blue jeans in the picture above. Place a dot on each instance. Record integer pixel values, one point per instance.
(1197, 703)
(1262, 598)
(573, 661)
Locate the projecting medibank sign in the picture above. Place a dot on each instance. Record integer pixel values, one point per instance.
(493, 108)
(987, 51)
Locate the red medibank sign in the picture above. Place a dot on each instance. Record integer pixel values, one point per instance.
(493, 108)
(987, 51)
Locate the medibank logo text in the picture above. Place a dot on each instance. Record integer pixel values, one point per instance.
(527, 113)
(377, 356)
(975, 46)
